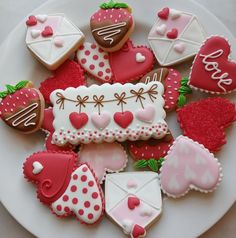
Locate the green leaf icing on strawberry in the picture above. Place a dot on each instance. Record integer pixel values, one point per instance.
(112, 4)
(183, 91)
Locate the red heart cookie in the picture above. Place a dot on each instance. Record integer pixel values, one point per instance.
(164, 13)
(69, 74)
(123, 119)
(130, 63)
(173, 34)
(133, 202)
(204, 121)
(138, 232)
(78, 120)
(32, 21)
(212, 71)
(48, 31)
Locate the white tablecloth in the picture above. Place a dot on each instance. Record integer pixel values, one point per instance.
(12, 11)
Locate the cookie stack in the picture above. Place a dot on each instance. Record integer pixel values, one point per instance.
(133, 89)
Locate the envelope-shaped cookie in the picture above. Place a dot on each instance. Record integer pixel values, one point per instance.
(52, 38)
(108, 113)
(175, 36)
(133, 200)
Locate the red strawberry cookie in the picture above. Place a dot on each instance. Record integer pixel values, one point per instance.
(67, 75)
(66, 187)
(204, 121)
(175, 86)
(95, 61)
(212, 70)
(131, 62)
(112, 25)
(22, 107)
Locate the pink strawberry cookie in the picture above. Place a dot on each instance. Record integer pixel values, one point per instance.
(189, 165)
(66, 187)
(95, 61)
(102, 158)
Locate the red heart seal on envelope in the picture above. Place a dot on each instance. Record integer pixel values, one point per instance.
(212, 71)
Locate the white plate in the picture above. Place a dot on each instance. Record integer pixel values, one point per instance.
(186, 217)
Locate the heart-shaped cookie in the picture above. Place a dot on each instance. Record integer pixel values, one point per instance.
(189, 165)
(138, 232)
(123, 119)
(204, 121)
(78, 120)
(103, 158)
(130, 63)
(212, 70)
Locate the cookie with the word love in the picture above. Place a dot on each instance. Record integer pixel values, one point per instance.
(22, 107)
(69, 74)
(66, 187)
(52, 39)
(104, 158)
(176, 87)
(108, 112)
(204, 121)
(212, 70)
(175, 36)
(95, 62)
(112, 25)
(189, 166)
(131, 63)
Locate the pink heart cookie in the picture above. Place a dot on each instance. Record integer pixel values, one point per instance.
(95, 61)
(212, 70)
(189, 165)
(103, 158)
(147, 114)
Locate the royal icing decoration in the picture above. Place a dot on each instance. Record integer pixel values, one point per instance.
(204, 121)
(66, 187)
(74, 109)
(112, 25)
(52, 39)
(212, 70)
(130, 63)
(95, 61)
(22, 107)
(189, 165)
(103, 158)
(133, 208)
(175, 36)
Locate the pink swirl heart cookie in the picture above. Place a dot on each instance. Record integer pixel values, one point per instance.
(66, 187)
(189, 165)
(104, 158)
(212, 70)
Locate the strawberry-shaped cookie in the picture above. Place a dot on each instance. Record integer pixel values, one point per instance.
(69, 74)
(175, 86)
(22, 107)
(95, 62)
(112, 25)
(65, 186)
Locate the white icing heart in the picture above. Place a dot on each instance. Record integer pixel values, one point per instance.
(161, 30)
(179, 47)
(58, 42)
(127, 226)
(146, 211)
(42, 18)
(174, 14)
(37, 167)
(140, 58)
(35, 33)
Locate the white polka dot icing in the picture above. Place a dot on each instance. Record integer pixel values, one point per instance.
(95, 61)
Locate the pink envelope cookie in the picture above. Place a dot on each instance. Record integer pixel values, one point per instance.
(104, 158)
(175, 37)
(52, 38)
(189, 165)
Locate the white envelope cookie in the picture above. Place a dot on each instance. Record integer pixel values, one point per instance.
(133, 200)
(52, 38)
(175, 37)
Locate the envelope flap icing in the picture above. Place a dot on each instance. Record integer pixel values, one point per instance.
(67, 27)
(42, 49)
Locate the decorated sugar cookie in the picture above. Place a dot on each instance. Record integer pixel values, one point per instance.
(67, 188)
(22, 107)
(133, 201)
(189, 165)
(204, 121)
(175, 37)
(95, 61)
(52, 38)
(69, 74)
(212, 69)
(108, 112)
(131, 63)
(112, 25)
(103, 158)
(175, 86)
